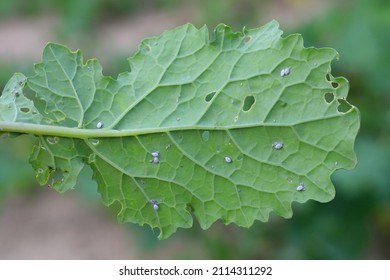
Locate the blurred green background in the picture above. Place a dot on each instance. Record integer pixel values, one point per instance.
(38, 223)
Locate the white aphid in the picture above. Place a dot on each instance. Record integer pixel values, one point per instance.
(155, 153)
(228, 159)
(154, 203)
(300, 187)
(285, 71)
(99, 125)
(277, 145)
(156, 160)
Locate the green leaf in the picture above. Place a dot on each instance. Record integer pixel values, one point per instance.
(243, 124)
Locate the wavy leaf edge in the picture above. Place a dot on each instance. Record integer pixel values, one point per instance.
(270, 125)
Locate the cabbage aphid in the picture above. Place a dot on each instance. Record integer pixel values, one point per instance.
(285, 71)
(277, 145)
(154, 203)
(228, 159)
(301, 187)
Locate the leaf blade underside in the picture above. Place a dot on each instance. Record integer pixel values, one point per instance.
(239, 121)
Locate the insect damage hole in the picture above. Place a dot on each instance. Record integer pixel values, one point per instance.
(344, 106)
(247, 39)
(24, 110)
(329, 97)
(248, 103)
(205, 135)
(209, 96)
(52, 140)
(334, 84)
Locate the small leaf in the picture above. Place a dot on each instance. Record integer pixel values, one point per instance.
(230, 128)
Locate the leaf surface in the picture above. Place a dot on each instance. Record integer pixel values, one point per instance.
(230, 127)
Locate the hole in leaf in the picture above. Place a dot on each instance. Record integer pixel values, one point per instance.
(248, 103)
(145, 47)
(209, 96)
(52, 140)
(94, 141)
(330, 79)
(24, 110)
(247, 39)
(205, 135)
(57, 175)
(344, 106)
(329, 97)
(282, 104)
(91, 158)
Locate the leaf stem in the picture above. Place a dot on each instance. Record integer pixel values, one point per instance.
(84, 133)
(61, 131)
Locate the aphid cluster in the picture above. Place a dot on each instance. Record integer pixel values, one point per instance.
(155, 156)
(154, 204)
(285, 71)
